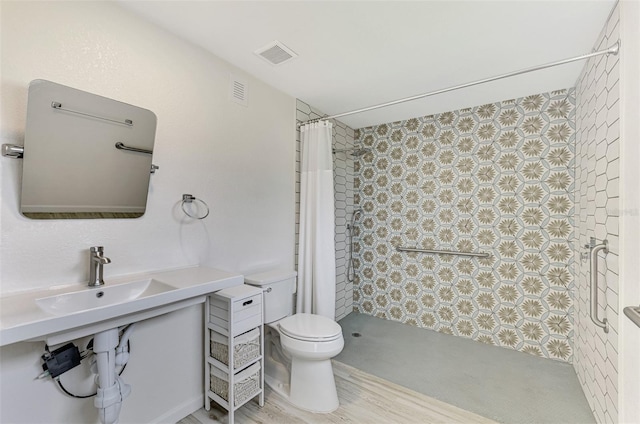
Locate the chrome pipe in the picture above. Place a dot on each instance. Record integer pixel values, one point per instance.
(614, 49)
(351, 272)
(593, 282)
(443, 252)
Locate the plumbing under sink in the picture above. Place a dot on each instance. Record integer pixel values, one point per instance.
(91, 298)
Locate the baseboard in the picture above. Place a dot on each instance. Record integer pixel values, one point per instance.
(179, 412)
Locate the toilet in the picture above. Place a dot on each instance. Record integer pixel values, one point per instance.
(298, 347)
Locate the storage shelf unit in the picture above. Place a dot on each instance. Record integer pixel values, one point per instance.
(234, 334)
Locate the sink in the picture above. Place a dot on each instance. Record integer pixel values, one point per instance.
(67, 312)
(90, 298)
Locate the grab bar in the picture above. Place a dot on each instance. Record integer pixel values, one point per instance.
(443, 252)
(595, 249)
(121, 146)
(633, 313)
(58, 106)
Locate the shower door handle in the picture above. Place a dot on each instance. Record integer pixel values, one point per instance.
(593, 277)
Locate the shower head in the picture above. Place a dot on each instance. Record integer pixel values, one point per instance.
(357, 213)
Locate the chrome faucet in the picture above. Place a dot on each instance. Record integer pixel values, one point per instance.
(96, 262)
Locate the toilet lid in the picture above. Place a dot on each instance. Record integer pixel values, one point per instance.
(310, 327)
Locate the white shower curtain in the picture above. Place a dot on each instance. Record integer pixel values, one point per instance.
(316, 251)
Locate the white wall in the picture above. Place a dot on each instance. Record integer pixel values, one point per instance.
(629, 340)
(240, 160)
(597, 214)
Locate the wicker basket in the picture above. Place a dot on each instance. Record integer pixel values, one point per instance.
(246, 386)
(246, 348)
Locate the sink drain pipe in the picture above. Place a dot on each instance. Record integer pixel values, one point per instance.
(111, 388)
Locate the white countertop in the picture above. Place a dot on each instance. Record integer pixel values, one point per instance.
(22, 320)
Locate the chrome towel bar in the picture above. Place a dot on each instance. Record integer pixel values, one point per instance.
(121, 146)
(593, 282)
(58, 106)
(443, 252)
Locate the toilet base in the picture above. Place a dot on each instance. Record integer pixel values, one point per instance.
(277, 375)
(301, 371)
(313, 387)
(277, 386)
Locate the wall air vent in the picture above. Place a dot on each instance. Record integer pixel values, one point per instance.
(276, 53)
(239, 90)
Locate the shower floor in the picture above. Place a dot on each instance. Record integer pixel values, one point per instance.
(501, 384)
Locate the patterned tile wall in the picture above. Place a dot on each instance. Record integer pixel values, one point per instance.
(343, 192)
(495, 178)
(597, 212)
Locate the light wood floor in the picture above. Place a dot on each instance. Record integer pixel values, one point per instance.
(364, 398)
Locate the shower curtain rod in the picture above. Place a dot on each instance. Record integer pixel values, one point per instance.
(615, 49)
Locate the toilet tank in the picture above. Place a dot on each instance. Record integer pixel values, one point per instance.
(278, 287)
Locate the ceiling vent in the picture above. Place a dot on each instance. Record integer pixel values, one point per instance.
(239, 90)
(276, 53)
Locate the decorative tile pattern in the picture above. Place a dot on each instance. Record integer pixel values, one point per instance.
(495, 178)
(343, 191)
(597, 212)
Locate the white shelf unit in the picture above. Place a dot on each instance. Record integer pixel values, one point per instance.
(233, 315)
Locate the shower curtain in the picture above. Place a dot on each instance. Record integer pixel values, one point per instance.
(316, 248)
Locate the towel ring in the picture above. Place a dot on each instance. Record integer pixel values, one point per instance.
(188, 198)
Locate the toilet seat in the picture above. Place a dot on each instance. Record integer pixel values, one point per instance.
(311, 328)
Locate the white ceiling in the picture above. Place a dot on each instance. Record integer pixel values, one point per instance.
(354, 54)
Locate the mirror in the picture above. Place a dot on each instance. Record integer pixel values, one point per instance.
(85, 156)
